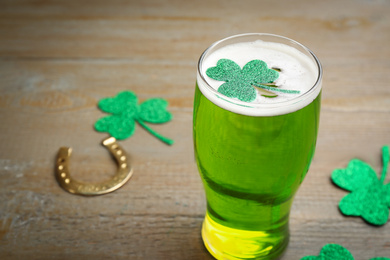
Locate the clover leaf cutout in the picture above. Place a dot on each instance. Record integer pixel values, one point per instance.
(240, 83)
(331, 252)
(336, 252)
(369, 197)
(125, 111)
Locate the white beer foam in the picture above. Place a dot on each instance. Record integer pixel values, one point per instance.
(298, 72)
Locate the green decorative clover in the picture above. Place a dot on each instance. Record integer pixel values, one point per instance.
(239, 82)
(331, 252)
(336, 252)
(126, 111)
(369, 197)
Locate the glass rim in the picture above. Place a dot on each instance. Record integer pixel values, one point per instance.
(274, 105)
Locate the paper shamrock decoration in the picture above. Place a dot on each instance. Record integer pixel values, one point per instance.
(126, 111)
(239, 83)
(336, 252)
(369, 197)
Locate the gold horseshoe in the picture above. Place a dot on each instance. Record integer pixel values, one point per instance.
(124, 173)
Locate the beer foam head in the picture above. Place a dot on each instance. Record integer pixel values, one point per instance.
(298, 71)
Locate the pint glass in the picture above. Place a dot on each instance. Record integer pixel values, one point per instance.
(252, 156)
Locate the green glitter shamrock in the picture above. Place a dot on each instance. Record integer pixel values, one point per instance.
(336, 252)
(369, 197)
(126, 111)
(239, 82)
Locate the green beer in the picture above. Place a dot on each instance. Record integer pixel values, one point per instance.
(252, 156)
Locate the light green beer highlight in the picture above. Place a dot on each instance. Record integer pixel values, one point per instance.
(251, 167)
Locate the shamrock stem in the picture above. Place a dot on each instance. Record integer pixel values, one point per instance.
(288, 91)
(386, 158)
(162, 138)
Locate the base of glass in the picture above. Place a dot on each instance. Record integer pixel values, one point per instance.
(226, 243)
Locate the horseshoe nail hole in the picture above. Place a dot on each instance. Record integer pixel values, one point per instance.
(123, 165)
(63, 175)
(61, 167)
(114, 146)
(119, 152)
(123, 158)
(67, 181)
(61, 160)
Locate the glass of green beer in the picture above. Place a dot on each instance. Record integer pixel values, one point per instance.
(254, 150)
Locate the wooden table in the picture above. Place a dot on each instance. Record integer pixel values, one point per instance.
(58, 58)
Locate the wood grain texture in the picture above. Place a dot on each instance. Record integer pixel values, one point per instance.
(58, 58)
